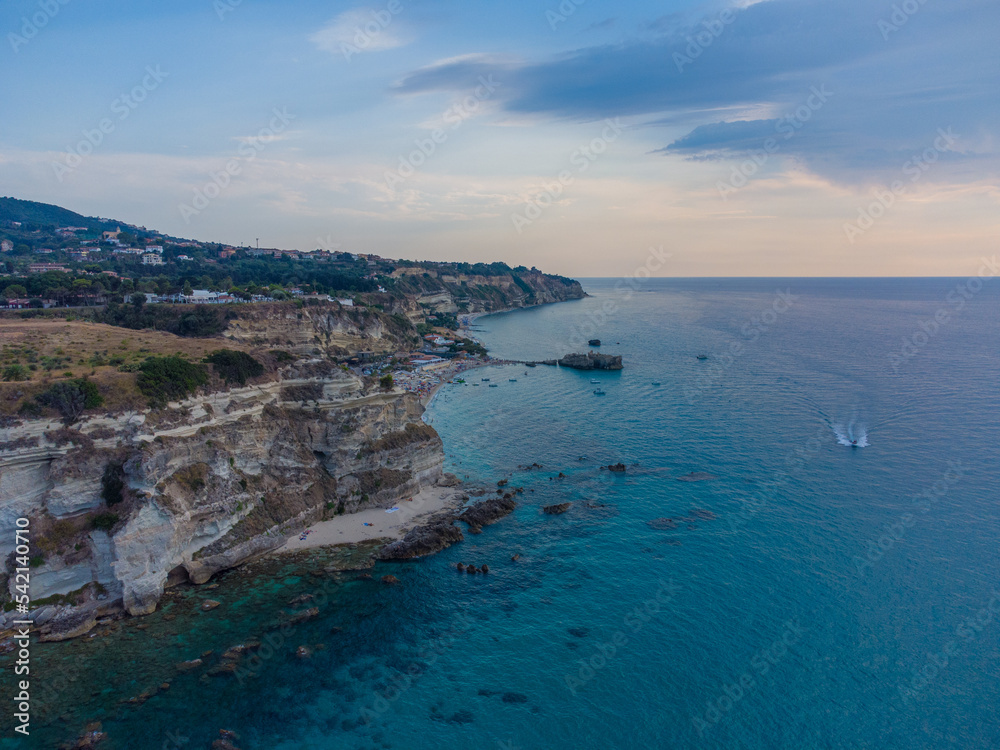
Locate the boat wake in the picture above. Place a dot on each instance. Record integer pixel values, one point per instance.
(853, 434)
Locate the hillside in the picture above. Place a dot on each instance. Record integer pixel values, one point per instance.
(47, 215)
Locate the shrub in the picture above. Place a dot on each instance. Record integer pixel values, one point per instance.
(235, 367)
(71, 399)
(15, 372)
(386, 382)
(164, 378)
(113, 483)
(104, 521)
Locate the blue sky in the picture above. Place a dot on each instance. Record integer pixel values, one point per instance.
(783, 137)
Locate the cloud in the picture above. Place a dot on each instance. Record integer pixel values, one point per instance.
(895, 79)
(360, 29)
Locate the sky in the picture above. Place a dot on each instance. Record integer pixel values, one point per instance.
(583, 137)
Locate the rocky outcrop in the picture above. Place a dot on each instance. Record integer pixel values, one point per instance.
(558, 509)
(591, 361)
(423, 540)
(487, 512)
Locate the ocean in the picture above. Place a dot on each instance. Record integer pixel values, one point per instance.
(831, 579)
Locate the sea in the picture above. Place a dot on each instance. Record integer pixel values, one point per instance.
(801, 552)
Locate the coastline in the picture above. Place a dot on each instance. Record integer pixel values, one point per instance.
(383, 525)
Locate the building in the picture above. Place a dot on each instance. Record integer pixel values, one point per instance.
(43, 267)
(111, 235)
(227, 252)
(79, 254)
(154, 249)
(152, 259)
(184, 257)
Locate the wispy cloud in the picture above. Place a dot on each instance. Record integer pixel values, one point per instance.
(362, 29)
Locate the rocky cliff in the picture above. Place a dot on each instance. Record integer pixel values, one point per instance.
(122, 506)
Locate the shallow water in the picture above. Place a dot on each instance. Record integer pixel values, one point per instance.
(789, 602)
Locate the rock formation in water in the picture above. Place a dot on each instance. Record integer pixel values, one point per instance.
(589, 361)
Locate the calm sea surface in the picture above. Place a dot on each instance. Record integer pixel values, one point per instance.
(836, 584)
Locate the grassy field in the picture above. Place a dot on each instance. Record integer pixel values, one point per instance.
(38, 352)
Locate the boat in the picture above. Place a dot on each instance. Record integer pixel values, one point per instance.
(486, 380)
(702, 356)
(460, 380)
(493, 385)
(595, 382)
(529, 364)
(511, 380)
(594, 342)
(475, 385)
(598, 392)
(656, 382)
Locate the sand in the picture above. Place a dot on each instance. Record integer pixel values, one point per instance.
(350, 528)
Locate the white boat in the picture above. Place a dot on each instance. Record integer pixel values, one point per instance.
(594, 382)
(656, 382)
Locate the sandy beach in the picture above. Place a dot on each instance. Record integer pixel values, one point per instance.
(351, 528)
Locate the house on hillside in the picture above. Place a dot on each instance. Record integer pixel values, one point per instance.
(152, 259)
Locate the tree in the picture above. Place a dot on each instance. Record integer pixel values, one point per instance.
(15, 291)
(138, 301)
(188, 291)
(386, 382)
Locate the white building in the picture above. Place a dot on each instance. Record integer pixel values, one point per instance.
(152, 259)
(154, 249)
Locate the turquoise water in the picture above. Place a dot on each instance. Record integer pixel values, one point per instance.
(813, 594)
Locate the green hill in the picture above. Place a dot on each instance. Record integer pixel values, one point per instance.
(44, 214)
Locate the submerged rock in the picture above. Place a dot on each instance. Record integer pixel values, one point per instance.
(514, 698)
(555, 510)
(209, 604)
(391, 580)
(662, 524)
(615, 467)
(697, 476)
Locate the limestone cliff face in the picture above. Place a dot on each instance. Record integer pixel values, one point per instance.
(328, 329)
(452, 292)
(205, 484)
